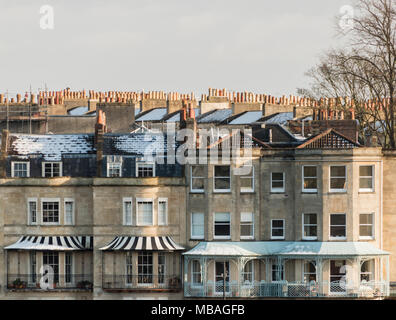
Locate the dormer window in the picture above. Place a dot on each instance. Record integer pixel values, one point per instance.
(114, 166)
(20, 169)
(145, 169)
(51, 169)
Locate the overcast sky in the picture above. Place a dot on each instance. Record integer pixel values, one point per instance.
(172, 45)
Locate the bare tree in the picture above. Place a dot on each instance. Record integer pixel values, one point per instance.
(365, 70)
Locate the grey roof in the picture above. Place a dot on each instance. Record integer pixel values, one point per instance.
(152, 115)
(285, 248)
(247, 117)
(50, 146)
(278, 118)
(138, 144)
(79, 111)
(214, 116)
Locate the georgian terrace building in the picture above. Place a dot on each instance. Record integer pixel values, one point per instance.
(305, 221)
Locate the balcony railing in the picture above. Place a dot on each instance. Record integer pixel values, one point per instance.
(371, 289)
(141, 282)
(61, 282)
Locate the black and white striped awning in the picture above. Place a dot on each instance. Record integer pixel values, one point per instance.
(56, 243)
(143, 243)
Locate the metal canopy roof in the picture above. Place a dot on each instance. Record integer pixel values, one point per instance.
(285, 249)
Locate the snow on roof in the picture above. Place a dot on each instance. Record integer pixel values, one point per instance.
(279, 118)
(153, 115)
(215, 116)
(147, 143)
(247, 117)
(285, 248)
(50, 146)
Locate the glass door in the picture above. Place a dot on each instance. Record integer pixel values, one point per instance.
(219, 272)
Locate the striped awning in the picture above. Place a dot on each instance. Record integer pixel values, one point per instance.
(143, 243)
(55, 243)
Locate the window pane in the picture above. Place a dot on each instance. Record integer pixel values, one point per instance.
(277, 223)
(310, 218)
(338, 171)
(366, 218)
(309, 171)
(310, 183)
(222, 183)
(222, 171)
(197, 183)
(277, 232)
(246, 183)
(365, 183)
(337, 183)
(222, 217)
(222, 229)
(337, 231)
(197, 171)
(366, 231)
(246, 229)
(277, 184)
(337, 219)
(277, 176)
(366, 171)
(310, 231)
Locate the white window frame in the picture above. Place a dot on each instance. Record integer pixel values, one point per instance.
(214, 179)
(372, 178)
(139, 163)
(195, 237)
(119, 164)
(372, 237)
(252, 223)
(196, 284)
(191, 181)
(306, 224)
(278, 190)
(73, 212)
(29, 200)
(250, 283)
(305, 272)
(124, 220)
(214, 225)
(330, 225)
(27, 168)
(52, 168)
(337, 177)
(303, 177)
(283, 228)
(72, 282)
(166, 211)
(251, 176)
(282, 272)
(42, 200)
(137, 211)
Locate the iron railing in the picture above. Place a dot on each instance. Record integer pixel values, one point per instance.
(141, 282)
(38, 282)
(370, 289)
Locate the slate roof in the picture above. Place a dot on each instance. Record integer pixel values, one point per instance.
(50, 146)
(246, 117)
(137, 144)
(277, 118)
(152, 114)
(215, 116)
